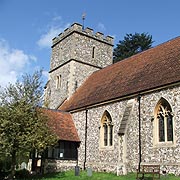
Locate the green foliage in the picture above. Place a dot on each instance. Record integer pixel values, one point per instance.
(132, 44)
(22, 127)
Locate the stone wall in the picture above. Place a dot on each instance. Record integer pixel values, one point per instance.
(55, 96)
(76, 53)
(76, 43)
(124, 155)
(73, 74)
(100, 159)
(59, 165)
(168, 155)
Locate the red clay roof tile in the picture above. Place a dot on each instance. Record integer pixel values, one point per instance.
(62, 124)
(150, 69)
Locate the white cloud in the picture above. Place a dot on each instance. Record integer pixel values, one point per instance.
(13, 63)
(52, 30)
(17, 58)
(46, 39)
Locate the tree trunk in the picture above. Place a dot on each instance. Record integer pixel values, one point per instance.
(42, 163)
(13, 165)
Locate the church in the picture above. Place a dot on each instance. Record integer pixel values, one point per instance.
(112, 117)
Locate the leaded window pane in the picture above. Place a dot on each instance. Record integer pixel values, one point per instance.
(165, 121)
(105, 134)
(161, 129)
(169, 127)
(110, 135)
(107, 130)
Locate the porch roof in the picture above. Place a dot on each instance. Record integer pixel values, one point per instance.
(62, 124)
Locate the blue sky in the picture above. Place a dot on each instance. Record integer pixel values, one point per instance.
(27, 27)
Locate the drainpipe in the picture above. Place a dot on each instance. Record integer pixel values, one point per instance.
(77, 154)
(139, 118)
(85, 144)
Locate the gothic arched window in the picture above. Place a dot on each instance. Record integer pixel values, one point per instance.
(164, 121)
(106, 130)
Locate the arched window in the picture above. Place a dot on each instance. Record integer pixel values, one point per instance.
(164, 122)
(58, 81)
(106, 130)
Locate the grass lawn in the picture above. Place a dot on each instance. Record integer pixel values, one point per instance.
(70, 175)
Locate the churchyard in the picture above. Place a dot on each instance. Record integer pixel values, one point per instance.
(85, 175)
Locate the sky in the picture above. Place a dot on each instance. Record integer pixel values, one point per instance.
(28, 26)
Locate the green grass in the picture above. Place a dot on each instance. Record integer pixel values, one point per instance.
(70, 175)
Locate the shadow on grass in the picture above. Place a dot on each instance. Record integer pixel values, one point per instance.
(57, 175)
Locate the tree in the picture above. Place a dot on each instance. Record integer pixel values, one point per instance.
(132, 44)
(23, 127)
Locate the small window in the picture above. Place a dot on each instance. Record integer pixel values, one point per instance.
(106, 130)
(93, 52)
(58, 82)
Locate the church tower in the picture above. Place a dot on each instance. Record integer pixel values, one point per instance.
(76, 53)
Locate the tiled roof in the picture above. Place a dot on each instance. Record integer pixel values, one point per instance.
(62, 124)
(156, 67)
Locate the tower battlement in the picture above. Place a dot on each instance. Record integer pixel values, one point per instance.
(86, 32)
(77, 52)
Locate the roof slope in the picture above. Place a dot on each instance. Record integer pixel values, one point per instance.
(150, 69)
(62, 124)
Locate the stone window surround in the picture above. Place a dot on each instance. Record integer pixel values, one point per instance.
(106, 120)
(156, 143)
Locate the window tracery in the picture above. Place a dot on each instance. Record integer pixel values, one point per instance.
(164, 122)
(106, 130)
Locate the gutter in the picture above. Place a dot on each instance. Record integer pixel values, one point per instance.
(129, 96)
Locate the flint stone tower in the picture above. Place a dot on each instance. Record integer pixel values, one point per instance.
(76, 53)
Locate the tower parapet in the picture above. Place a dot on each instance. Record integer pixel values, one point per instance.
(76, 53)
(87, 32)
